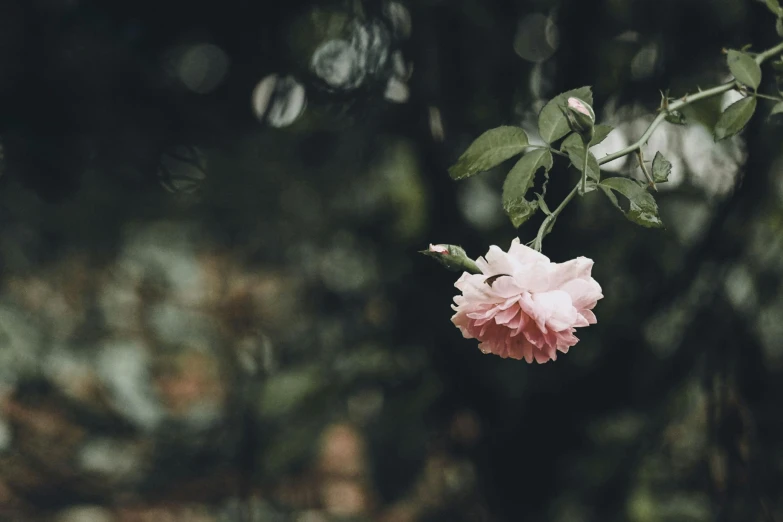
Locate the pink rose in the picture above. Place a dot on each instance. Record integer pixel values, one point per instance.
(524, 306)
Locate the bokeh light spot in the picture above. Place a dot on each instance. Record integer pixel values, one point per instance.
(536, 38)
(279, 101)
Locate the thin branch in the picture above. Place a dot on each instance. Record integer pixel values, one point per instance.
(766, 55)
(682, 102)
(640, 157)
(768, 97)
(584, 167)
(685, 101)
(546, 226)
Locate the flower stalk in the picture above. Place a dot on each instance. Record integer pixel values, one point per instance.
(578, 109)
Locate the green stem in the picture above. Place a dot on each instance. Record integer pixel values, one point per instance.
(546, 226)
(766, 55)
(584, 168)
(684, 101)
(470, 266)
(767, 97)
(646, 172)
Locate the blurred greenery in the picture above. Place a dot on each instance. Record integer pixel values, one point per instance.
(212, 306)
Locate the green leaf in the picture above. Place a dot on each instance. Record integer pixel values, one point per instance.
(734, 118)
(552, 123)
(612, 197)
(777, 109)
(542, 205)
(779, 26)
(744, 68)
(519, 181)
(489, 150)
(600, 132)
(642, 207)
(774, 6)
(675, 117)
(661, 168)
(575, 148)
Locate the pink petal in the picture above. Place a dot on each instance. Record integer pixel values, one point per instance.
(584, 293)
(589, 315)
(531, 311)
(506, 316)
(556, 308)
(562, 273)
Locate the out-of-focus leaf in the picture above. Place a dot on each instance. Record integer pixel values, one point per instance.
(489, 150)
(661, 168)
(642, 207)
(552, 123)
(182, 169)
(734, 118)
(744, 68)
(519, 181)
(285, 391)
(774, 6)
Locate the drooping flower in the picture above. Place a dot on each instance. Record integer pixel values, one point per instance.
(523, 306)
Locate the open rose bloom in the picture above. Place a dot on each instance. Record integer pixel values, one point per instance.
(524, 306)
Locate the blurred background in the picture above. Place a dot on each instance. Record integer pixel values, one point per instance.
(212, 308)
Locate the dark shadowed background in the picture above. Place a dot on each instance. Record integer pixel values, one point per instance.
(212, 308)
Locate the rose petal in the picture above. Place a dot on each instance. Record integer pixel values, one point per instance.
(523, 306)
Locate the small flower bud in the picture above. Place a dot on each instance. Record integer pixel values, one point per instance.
(581, 118)
(452, 257)
(579, 106)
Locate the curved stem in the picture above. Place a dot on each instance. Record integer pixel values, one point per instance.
(766, 55)
(687, 100)
(682, 102)
(646, 172)
(547, 224)
(584, 167)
